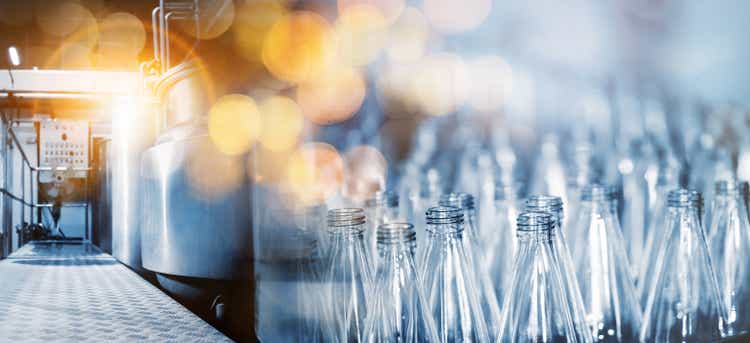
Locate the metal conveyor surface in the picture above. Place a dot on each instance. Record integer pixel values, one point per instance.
(73, 292)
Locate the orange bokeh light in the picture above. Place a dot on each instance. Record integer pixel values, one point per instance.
(334, 97)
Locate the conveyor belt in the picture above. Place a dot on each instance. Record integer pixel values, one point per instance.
(54, 292)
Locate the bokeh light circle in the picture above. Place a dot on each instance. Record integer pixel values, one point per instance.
(390, 9)
(332, 98)
(441, 83)
(407, 37)
(361, 34)
(314, 172)
(253, 20)
(450, 16)
(298, 47)
(123, 31)
(234, 123)
(282, 123)
(366, 170)
(215, 18)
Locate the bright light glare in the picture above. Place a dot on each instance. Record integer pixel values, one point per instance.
(15, 59)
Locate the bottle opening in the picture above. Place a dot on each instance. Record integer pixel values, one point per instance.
(545, 203)
(598, 192)
(394, 233)
(683, 198)
(383, 199)
(444, 215)
(458, 200)
(342, 217)
(727, 187)
(534, 221)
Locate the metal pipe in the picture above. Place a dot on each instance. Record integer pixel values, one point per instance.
(168, 60)
(155, 31)
(161, 34)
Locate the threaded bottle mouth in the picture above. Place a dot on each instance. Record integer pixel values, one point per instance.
(683, 198)
(441, 215)
(342, 217)
(696, 199)
(396, 233)
(383, 199)
(535, 221)
(460, 200)
(544, 203)
(727, 187)
(598, 192)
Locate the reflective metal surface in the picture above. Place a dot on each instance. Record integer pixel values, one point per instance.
(135, 133)
(183, 95)
(195, 224)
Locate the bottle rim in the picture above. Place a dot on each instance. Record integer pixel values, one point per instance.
(386, 198)
(544, 203)
(439, 215)
(459, 200)
(598, 192)
(397, 232)
(724, 187)
(682, 197)
(342, 217)
(535, 221)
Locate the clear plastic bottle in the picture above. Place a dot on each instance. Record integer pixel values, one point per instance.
(349, 278)
(309, 221)
(536, 308)
(611, 307)
(399, 312)
(479, 272)
(729, 244)
(683, 303)
(500, 243)
(450, 289)
(380, 208)
(656, 223)
(561, 254)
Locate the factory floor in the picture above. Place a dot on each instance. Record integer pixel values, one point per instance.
(73, 292)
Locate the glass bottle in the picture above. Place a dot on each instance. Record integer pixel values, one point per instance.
(536, 307)
(500, 245)
(560, 252)
(657, 218)
(729, 246)
(611, 307)
(380, 208)
(399, 312)
(310, 293)
(349, 278)
(683, 303)
(446, 272)
(479, 271)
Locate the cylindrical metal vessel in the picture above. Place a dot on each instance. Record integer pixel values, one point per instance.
(135, 131)
(197, 218)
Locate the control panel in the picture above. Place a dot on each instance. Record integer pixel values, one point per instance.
(64, 143)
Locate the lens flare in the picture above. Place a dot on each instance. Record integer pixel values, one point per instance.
(282, 123)
(334, 97)
(234, 123)
(298, 47)
(360, 34)
(449, 16)
(122, 31)
(16, 13)
(407, 38)
(62, 18)
(314, 172)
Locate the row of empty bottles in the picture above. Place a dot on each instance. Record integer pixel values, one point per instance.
(527, 272)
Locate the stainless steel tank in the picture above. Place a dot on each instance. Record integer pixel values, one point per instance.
(134, 130)
(189, 228)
